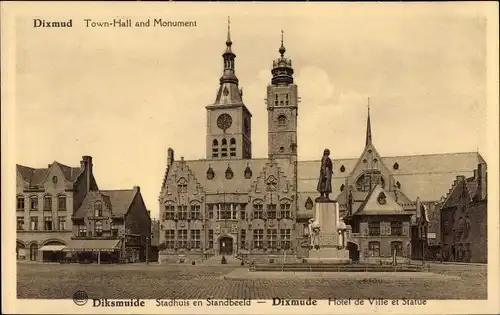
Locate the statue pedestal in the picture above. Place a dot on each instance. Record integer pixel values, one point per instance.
(327, 215)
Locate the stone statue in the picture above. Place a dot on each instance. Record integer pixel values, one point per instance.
(325, 177)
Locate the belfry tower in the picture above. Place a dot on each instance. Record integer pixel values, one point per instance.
(228, 119)
(282, 101)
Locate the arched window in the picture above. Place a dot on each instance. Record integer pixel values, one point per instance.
(182, 185)
(34, 203)
(374, 249)
(54, 179)
(47, 202)
(215, 148)
(33, 252)
(281, 121)
(98, 208)
(98, 228)
(232, 149)
(223, 149)
(342, 187)
(395, 166)
(342, 169)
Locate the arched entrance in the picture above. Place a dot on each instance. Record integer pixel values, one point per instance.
(20, 250)
(33, 252)
(353, 251)
(226, 245)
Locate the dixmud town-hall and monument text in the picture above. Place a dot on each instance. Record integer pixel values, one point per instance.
(232, 204)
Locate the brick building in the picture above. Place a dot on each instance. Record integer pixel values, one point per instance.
(231, 203)
(60, 210)
(464, 219)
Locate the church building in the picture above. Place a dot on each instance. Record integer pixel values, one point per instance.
(230, 203)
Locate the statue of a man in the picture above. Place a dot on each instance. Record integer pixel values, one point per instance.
(325, 177)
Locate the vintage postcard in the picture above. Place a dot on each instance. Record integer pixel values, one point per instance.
(250, 158)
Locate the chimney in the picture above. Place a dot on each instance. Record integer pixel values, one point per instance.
(418, 205)
(87, 164)
(482, 187)
(170, 157)
(149, 213)
(475, 174)
(137, 188)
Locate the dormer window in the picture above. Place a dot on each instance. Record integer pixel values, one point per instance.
(210, 173)
(54, 179)
(309, 203)
(248, 172)
(229, 173)
(342, 187)
(395, 166)
(272, 184)
(182, 185)
(342, 169)
(98, 209)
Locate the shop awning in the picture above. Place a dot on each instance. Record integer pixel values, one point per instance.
(52, 248)
(92, 246)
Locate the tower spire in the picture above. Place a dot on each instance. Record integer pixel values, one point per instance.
(282, 49)
(228, 40)
(368, 127)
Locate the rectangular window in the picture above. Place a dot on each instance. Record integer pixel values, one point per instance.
(182, 212)
(33, 203)
(34, 223)
(285, 211)
(170, 239)
(258, 238)
(243, 239)
(98, 228)
(225, 213)
(374, 228)
(271, 211)
(62, 223)
(169, 212)
(243, 215)
(82, 230)
(20, 203)
(47, 203)
(61, 203)
(257, 211)
(286, 238)
(374, 249)
(210, 211)
(195, 212)
(114, 229)
(210, 239)
(20, 223)
(195, 239)
(272, 238)
(183, 238)
(396, 228)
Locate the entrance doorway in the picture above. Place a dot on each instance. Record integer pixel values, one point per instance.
(353, 251)
(226, 245)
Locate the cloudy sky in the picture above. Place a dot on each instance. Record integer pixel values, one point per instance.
(124, 95)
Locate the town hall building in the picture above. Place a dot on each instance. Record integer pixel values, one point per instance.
(230, 203)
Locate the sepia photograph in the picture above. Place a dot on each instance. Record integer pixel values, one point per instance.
(242, 156)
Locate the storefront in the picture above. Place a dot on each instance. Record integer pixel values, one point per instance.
(52, 253)
(93, 251)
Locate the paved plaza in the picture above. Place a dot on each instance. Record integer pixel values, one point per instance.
(60, 281)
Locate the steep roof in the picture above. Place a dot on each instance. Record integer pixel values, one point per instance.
(119, 201)
(36, 176)
(385, 206)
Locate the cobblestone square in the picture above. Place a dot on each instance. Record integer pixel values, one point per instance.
(61, 281)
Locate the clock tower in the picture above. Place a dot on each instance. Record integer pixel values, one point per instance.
(282, 101)
(228, 119)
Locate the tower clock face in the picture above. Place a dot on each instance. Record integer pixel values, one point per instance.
(224, 121)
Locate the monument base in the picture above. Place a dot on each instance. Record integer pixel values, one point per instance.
(327, 216)
(328, 256)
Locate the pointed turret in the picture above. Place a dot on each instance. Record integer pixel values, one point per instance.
(229, 92)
